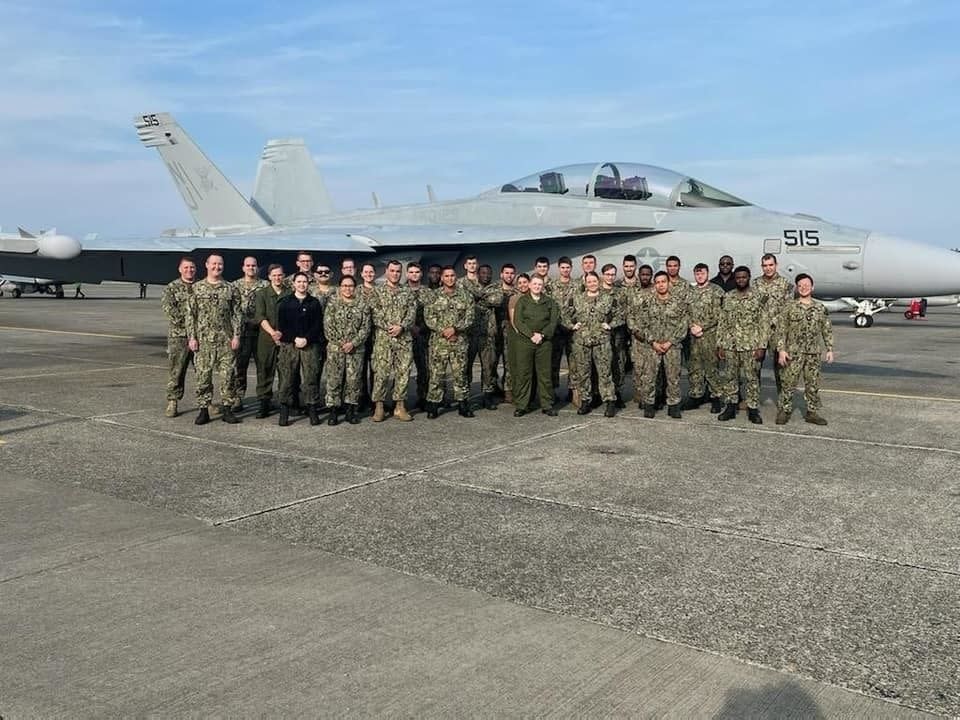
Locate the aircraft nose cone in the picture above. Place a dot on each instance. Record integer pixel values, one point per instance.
(58, 247)
(894, 267)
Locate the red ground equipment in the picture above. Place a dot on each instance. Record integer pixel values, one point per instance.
(915, 311)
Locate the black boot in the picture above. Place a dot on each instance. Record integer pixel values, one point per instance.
(674, 411)
(264, 410)
(716, 405)
(649, 411)
(314, 416)
(227, 415)
(284, 416)
(333, 419)
(693, 402)
(611, 410)
(203, 417)
(433, 410)
(619, 403)
(463, 409)
(753, 415)
(729, 412)
(585, 407)
(353, 415)
(488, 402)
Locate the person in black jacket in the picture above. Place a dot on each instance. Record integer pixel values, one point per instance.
(300, 322)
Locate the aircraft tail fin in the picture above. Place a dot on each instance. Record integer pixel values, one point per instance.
(212, 199)
(289, 189)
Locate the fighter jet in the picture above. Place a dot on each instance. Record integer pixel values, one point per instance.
(608, 209)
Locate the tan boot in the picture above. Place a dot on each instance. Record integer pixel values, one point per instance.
(214, 410)
(378, 413)
(782, 417)
(171, 410)
(812, 417)
(400, 412)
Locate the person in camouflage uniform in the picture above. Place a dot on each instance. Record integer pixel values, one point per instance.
(304, 264)
(706, 301)
(590, 318)
(741, 337)
(420, 332)
(268, 341)
(776, 291)
(300, 322)
(663, 325)
(562, 292)
(213, 326)
(483, 338)
(323, 288)
(175, 302)
(618, 336)
(247, 286)
(346, 324)
(508, 278)
(803, 333)
(394, 311)
(450, 317)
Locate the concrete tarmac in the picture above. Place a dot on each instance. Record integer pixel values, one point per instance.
(500, 566)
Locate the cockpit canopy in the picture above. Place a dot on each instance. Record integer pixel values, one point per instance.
(625, 181)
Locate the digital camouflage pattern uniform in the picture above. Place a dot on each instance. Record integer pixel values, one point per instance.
(776, 293)
(665, 320)
(618, 336)
(265, 308)
(483, 335)
(591, 343)
(215, 319)
(804, 332)
(175, 302)
(636, 317)
(392, 356)
(562, 344)
(345, 322)
(455, 309)
(703, 368)
(743, 328)
(250, 331)
(421, 340)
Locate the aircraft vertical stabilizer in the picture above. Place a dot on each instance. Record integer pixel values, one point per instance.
(289, 190)
(211, 198)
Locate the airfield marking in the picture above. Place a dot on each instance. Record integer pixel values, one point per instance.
(891, 395)
(69, 372)
(67, 332)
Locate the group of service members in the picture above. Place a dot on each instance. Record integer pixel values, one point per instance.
(362, 337)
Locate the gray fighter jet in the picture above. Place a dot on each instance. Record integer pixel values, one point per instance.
(608, 209)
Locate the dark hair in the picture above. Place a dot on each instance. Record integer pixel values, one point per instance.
(305, 252)
(347, 259)
(470, 257)
(524, 276)
(644, 267)
(394, 262)
(630, 258)
(741, 268)
(768, 256)
(701, 266)
(186, 258)
(486, 265)
(414, 265)
(564, 259)
(348, 279)
(608, 266)
(728, 257)
(591, 274)
(274, 266)
(508, 266)
(369, 265)
(660, 273)
(802, 276)
(672, 258)
(434, 265)
(300, 274)
(448, 267)
(591, 257)
(542, 259)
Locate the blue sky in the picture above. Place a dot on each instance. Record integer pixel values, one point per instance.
(844, 109)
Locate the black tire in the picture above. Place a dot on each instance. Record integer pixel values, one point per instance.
(869, 321)
(862, 321)
(17, 292)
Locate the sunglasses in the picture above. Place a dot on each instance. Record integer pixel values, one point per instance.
(322, 272)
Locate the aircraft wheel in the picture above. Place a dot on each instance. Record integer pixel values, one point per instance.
(908, 315)
(869, 321)
(17, 292)
(862, 321)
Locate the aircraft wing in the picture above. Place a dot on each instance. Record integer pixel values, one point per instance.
(355, 238)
